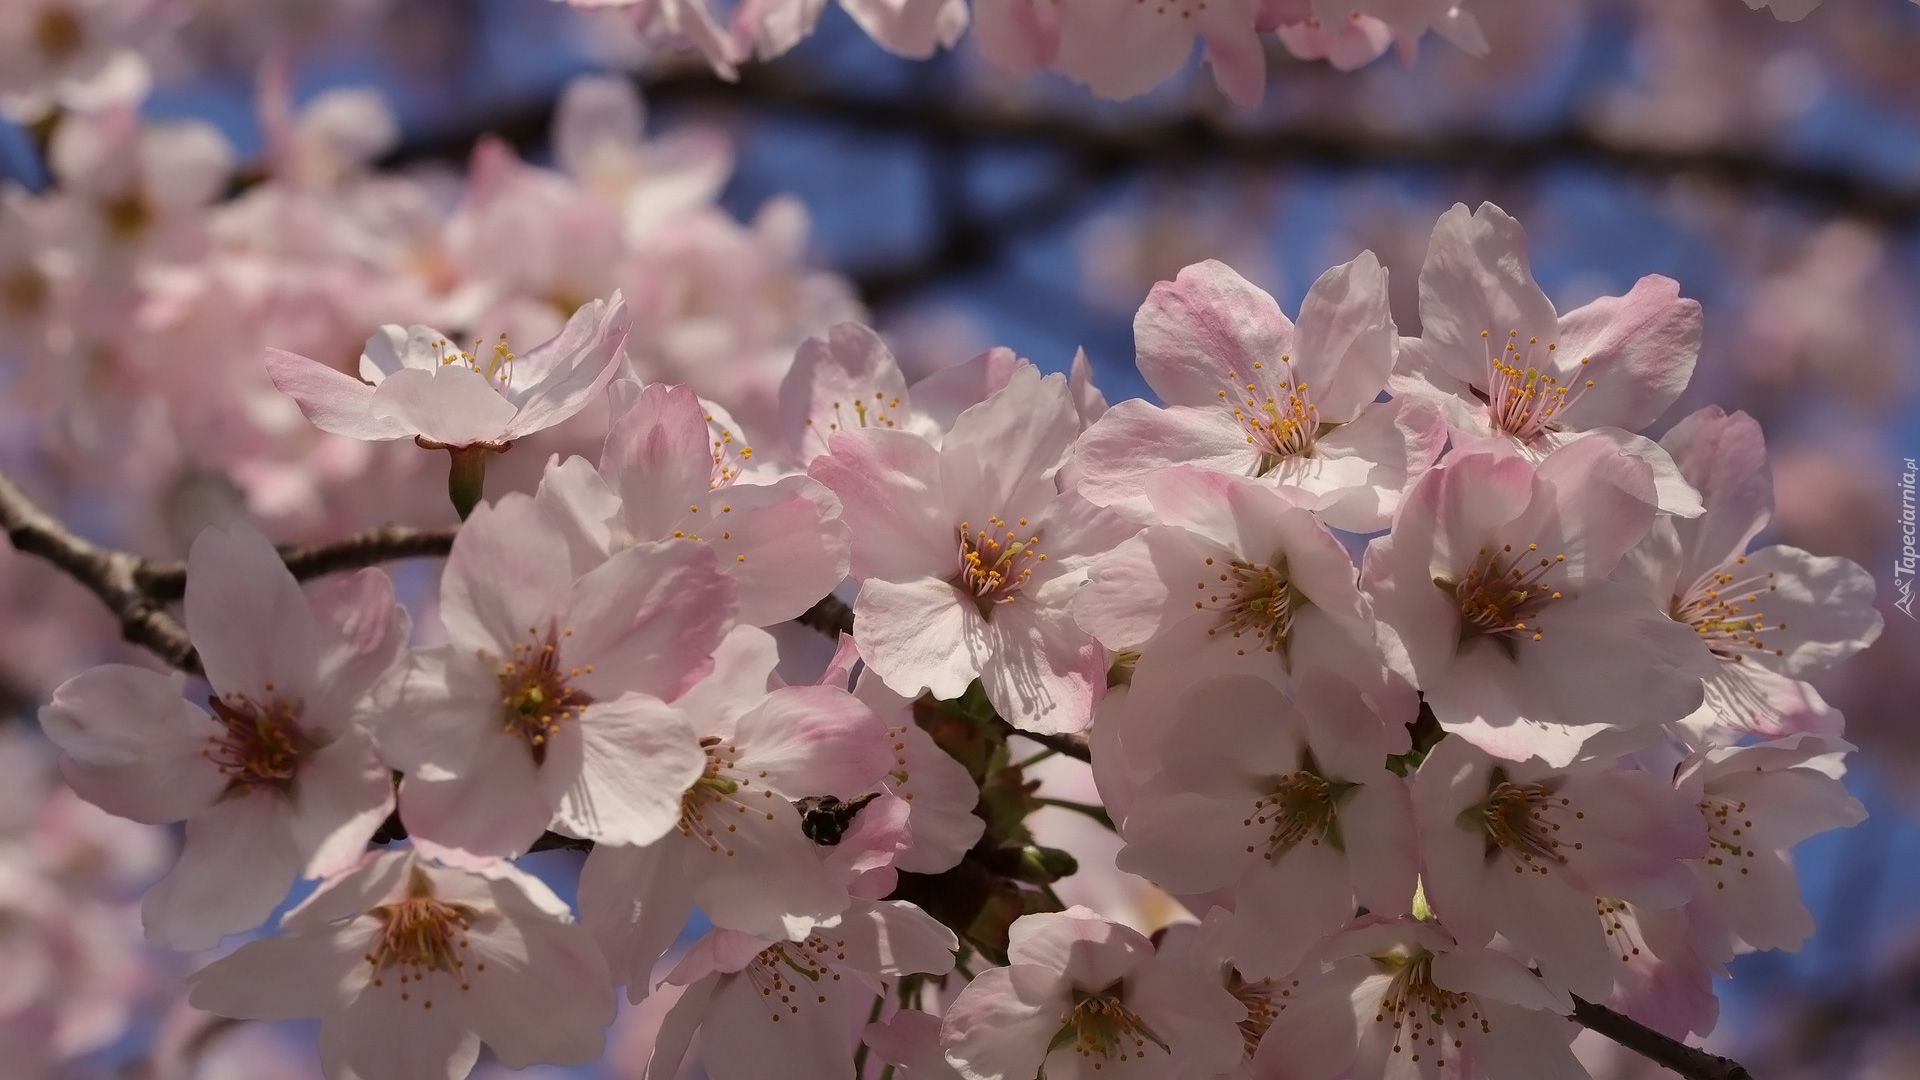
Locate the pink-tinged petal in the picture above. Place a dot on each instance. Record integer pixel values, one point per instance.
(498, 805)
(657, 460)
(392, 349)
(1530, 1043)
(251, 623)
(1288, 905)
(638, 756)
(1239, 63)
(922, 635)
(284, 978)
(1017, 36)
(1648, 830)
(131, 745)
(236, 866)
(910, 1039)
(1088, 401)
(1361, 470)
(577, 501)
(1608, 656)
(1591, 503)
(784, 543)
(1344, 341)
(895, 938)
(1640, 349)
(1787, 805)
(341, 796)
(943, 825)
(813, 740)
(1377, 828)
(816, 1034)
(1814, 611)
(1135, 439)
(1474, 496)
(940, 398)
(364, 632)
(846, 381)
(1076, 945)
(549, 962)
(558, 378)
(679, 1026)
(992, 1031)
(430, 708)
(888, 484)
(504, 580)
(454, 405)
(913, 28)
(1476, 279)
(1185, 842)
(762, 846)
(648, 619)
(1208, 322)
(1316, 1036)
(1748, 699)
(1725, 458)
(1128, 598)
(378, 1036)
(999, 456)
(718, 951)
(1671, 492)
(743, 671)
(1042, 672)
(1119, 51)
(1482, 699)
(634, 901)
(335, 402)
(1495, 975)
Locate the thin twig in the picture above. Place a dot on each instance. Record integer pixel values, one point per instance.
(1688, 1061)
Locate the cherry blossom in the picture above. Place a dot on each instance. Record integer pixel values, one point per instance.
(1401, 998)
(1504, 368)
(968, 556)
(1272, 591)
(1085, 997)
(1291, 808)
(1759, 801)
(410, 966)
(1543, 856)
(1495, 581)
(548, 706)
(736, 847)
(1771, 617)
(280, 779)
(415, 382)
(1251, 393)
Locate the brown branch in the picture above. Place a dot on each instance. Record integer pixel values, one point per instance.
(113, 576)
(137, 590)
(1688, 1061)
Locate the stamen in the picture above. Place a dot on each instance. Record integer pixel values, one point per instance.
(1523, 400)
(1280, 424)
(994, 564)
(1101, 1025)
(263, 744)
(422, 934)
(1718, 607)
(1256, 599)
(537, 694)
(1502, 594)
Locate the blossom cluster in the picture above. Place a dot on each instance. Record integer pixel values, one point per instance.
(1434, 691)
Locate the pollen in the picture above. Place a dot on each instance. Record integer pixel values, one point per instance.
(1523, 400)
(421, 934)
(262, 745)
(536, 693)
(1503, 594)
(1280, 422)
(1723, 609)
(1257, 601)
(994, 563)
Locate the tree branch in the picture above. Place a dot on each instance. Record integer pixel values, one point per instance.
(137, 590)
(1688, 1061)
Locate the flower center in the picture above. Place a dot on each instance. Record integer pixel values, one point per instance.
(499, 366)
(1300, 806)
(1727, 823)
(776, 972)
(994, 563)
(879, 411)
(263, 744)
(127, 215)
(1280, 424)
(58, 32)
(1514, 818)
(1422, 1012)
(1502, 593)
(1254, 598)
(1257, 998)
(1717, 609)
(718, 795)
(422, 934)
(1522, 400)
(535, 695)
(1101, 1025)
(23, 292)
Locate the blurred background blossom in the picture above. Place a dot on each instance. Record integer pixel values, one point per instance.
(220, 176)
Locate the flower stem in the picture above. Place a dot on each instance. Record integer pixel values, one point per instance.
(466, 477)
